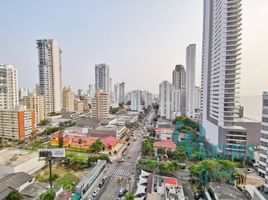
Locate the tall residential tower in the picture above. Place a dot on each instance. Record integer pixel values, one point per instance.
(102, 78)
(263, 162)
(50, 74)
(9, 97)
(179, 83)
(221, 52)
(190, 79)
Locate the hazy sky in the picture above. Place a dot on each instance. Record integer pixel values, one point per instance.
(141, 40)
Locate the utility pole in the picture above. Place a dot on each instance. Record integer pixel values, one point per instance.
(50, 171)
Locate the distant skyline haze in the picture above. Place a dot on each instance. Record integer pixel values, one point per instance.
(141, 41)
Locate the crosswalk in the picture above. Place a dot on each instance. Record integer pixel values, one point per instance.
(119, 172)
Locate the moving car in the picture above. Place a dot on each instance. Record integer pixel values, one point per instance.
(122, 191)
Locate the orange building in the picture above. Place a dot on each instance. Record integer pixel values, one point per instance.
(16, 124)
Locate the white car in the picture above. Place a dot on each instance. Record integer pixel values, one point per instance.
(96, 192)
(250, 170)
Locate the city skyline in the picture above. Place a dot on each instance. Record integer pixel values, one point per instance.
(84, 45)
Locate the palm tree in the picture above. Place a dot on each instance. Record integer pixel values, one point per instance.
(240, 178)
(130, 196)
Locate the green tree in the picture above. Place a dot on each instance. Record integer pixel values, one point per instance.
(147, 146)
(129, 196)
(14, 195)
(97, 146)
(50, 194)
(161, 151)
(121, 105)
(168, 167)
(45, 122)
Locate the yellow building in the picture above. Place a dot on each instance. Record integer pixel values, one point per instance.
(68, 97)
(100, 105)
(36, 103)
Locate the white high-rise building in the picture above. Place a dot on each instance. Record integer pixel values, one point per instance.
(115, 96)
(102, 78)
(50, 74)
(190, 79)
(221, 55)
(135, 100)
(9, 98)
(165, 99)
(179, 82)
(148, 99)
(175, 103)
(197, 99)
(121, 92)
(263, 162)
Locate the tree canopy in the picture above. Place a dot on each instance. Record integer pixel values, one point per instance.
(97, 146)
(129, 196)
(14, 195)
(50, 194)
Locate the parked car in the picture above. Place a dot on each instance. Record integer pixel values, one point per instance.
(96, 192)
(121, 160)
(250, 170)
(122, 191)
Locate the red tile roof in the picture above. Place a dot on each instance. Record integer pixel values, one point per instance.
(109, 141)
(168, 144)
(171, 181)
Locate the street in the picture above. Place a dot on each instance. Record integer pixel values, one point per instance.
(125, 170)
(121, 174)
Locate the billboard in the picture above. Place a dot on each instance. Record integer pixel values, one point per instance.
(53, 153)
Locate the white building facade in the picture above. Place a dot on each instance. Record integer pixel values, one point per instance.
(220, 68)
(263, 162)
(165, 99)
(8, 87)
(175, 103)
(135, 101)
(50, 74)
(197, 99)
(102, 78)
(190, 79)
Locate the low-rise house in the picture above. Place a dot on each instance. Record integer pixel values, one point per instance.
(110, 142)
(164, 133)
(16, 181)
(165, 144)
(164, 188)
(35, 189)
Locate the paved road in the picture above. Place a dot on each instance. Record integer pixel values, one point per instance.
(124, 170)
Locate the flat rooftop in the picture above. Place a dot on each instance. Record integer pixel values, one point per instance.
(109, 128)
(14, 157)
(225, 191)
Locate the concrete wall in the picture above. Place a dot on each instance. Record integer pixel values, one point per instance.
(253, 131)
